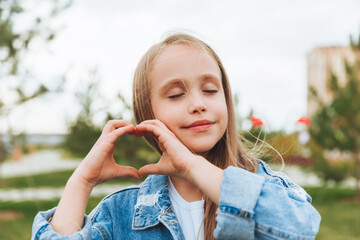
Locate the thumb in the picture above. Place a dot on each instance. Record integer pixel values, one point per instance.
(126, 171)
(149, 169)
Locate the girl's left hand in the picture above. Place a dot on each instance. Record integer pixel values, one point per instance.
(176, 159)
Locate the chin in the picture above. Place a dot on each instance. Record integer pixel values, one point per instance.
(200, 149)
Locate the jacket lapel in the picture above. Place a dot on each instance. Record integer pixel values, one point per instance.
(153, 206)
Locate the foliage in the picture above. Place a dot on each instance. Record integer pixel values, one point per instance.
(327, 170)
(287, 145)
(133, 151)
(337, 125)
(83, 132)
(15, 42)
(268, 145)
(82, 136)
(256, 140)
(273, 146)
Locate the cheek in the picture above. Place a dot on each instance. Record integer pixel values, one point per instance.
(224, 115)
(225, 119)
(220, 104)
(166, 115)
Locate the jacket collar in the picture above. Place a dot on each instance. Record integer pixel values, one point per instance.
(153, 206)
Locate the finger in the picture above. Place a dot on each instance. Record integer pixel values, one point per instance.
(115, 134)
(138, 133)
(149, 169)
(159, 134)
(148, 129)
(158, 123)
(114, 124)
(156, 132)
(126, 171)
(162, 148)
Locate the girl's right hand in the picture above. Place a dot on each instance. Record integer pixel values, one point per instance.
(99, 165)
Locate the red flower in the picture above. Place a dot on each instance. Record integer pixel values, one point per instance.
(256, 122)
(304, 120)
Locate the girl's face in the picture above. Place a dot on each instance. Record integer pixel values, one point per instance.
(188, 97)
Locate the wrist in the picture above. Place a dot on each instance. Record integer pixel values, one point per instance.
(207, 177)
(198, 165)
(76, 180)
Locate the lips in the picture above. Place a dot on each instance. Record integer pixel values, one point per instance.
(201, 125)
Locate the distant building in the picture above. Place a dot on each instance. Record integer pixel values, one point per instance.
(320, 63)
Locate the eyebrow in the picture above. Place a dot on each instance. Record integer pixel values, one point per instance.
(208, 77)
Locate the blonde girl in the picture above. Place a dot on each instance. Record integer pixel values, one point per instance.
(205, 184)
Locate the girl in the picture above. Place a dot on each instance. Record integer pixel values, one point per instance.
(205, 184)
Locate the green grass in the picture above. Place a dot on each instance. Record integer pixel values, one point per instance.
(20, 227)
(340, 214)
(53, 179)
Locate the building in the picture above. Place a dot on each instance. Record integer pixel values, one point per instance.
(321, 62)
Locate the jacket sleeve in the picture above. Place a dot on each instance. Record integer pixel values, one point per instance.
(42, 229)
(253, 206)
(92, 228)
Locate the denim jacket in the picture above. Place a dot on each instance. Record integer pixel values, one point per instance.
(265, 205)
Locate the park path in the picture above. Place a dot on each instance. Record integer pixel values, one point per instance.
(43, 162)
(39, 162)
(35, 194)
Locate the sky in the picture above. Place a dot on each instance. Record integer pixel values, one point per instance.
(263, 46)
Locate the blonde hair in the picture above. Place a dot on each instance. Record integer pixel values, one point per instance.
(228, 151)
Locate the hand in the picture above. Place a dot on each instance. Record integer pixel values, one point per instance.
(99, 165)
(176, 159)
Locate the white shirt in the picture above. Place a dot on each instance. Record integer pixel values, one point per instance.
(189, 214)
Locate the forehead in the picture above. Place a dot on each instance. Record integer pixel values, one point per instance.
(183, 62)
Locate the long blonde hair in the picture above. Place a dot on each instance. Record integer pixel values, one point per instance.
(229, 150)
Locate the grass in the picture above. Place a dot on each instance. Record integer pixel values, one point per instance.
(52, 179)
(340, 214)
(20, 227)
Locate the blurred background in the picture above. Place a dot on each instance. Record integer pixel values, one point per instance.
(66, 68)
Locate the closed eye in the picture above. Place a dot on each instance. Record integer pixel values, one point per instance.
(210, 91)
(176, 95)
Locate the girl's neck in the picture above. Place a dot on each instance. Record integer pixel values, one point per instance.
(188, 191)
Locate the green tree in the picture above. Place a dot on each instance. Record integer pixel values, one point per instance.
(83, 132)
(336, 126)
(15, 42)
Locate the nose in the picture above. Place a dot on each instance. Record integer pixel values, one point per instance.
(197, 105)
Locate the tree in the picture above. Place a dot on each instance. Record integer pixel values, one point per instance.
(83, 132)
(15, 43)
(336, 126)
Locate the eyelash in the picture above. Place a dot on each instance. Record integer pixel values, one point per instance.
(210, 91)
(176, 96)
(181, 94)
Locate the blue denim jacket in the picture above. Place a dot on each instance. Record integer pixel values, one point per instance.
(265, 205)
